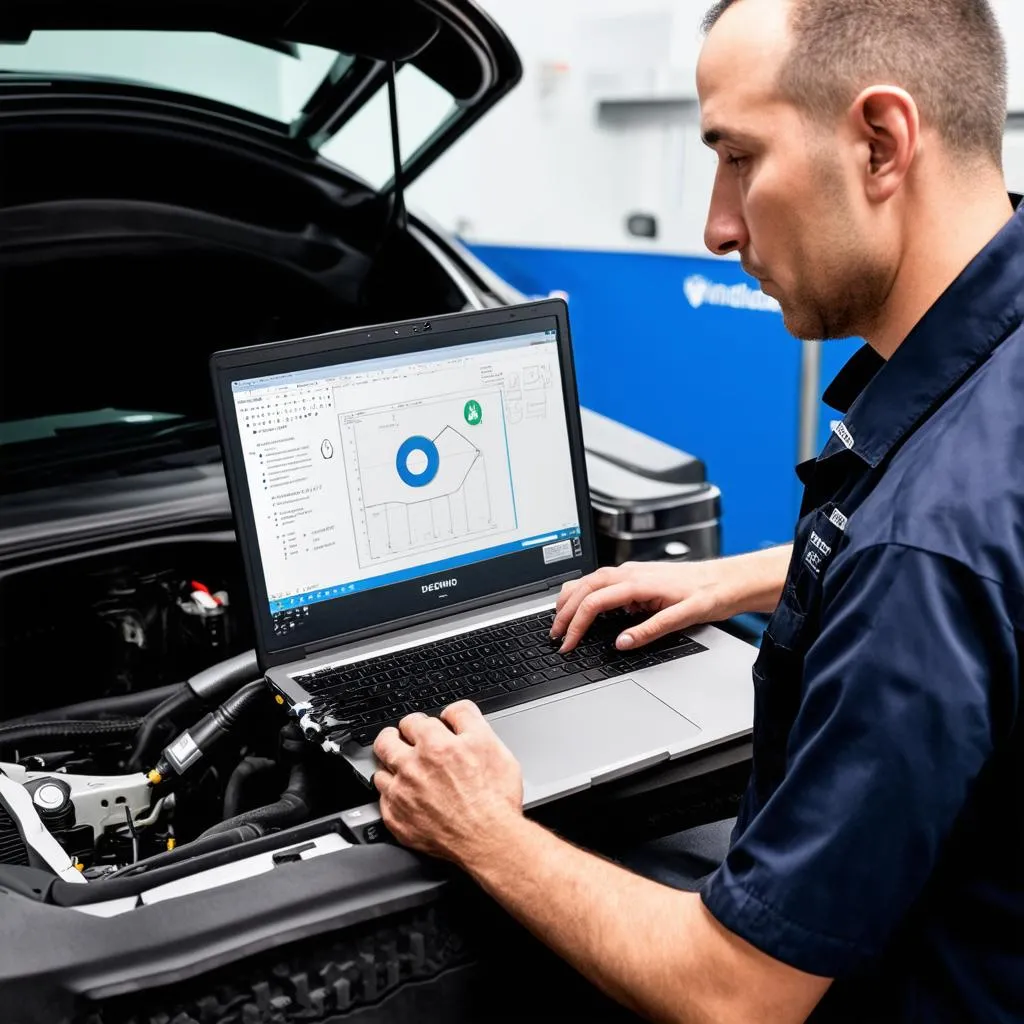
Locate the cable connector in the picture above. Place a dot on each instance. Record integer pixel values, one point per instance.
(192, 745)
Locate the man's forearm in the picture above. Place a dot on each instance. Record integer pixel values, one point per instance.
(764, 576)
(632, 938)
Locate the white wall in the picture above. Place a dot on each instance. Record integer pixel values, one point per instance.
(546, 169)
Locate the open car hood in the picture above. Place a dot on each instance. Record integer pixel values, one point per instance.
(453, 42)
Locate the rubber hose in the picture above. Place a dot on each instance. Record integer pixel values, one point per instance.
(119, 706)
(213, 683)
(292, 809)
(179, 702)
(203, 844)
(248, 767)
(25, 737)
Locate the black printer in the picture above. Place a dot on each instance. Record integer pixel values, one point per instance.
(651, 502)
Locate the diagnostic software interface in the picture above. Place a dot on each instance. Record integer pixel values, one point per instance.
(372, 473)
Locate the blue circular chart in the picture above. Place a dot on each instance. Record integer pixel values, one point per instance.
(429, 449)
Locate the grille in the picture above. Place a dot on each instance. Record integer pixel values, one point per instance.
(12, 846)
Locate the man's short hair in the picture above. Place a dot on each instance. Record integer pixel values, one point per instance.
(948, 54)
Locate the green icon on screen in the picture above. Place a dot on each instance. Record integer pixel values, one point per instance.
(473, 413)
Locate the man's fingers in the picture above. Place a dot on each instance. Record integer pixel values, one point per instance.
(462, 716)
(568, 602)
(383, 780)
(565, 592)
(416, 726)
(604, 600)
(679, 616)
(390, 748)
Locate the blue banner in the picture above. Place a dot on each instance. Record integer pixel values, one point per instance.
(688, 350)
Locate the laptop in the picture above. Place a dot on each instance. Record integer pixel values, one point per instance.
(410, 499)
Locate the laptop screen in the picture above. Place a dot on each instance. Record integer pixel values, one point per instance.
(398, 484)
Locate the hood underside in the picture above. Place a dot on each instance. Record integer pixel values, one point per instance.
(451, 42)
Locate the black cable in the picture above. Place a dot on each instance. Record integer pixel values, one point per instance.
(182, 701)
(192, 746)
(120, 705)
(186, 851)
(25, 737)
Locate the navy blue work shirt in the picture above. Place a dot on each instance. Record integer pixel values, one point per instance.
(881, 839)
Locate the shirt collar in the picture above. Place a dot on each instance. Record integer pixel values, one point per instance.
(882, 401)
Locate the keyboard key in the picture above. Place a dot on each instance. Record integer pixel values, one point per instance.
(488, 692)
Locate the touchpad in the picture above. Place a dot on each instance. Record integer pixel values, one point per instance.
(589, 736)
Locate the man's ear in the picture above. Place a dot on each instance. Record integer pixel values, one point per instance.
(887, 123)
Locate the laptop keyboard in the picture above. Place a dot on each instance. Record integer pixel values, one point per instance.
(496, 667)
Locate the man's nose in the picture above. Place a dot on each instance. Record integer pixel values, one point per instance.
(725, 230)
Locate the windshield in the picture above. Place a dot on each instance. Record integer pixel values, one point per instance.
(258, 79)
(215, 67)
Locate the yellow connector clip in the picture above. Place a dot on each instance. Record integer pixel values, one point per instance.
(171, 842)
(155, 777)
(278, 698)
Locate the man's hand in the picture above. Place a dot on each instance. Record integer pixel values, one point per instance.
(446, 785)
(676, 595)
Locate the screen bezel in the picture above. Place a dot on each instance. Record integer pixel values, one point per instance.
(379, 341)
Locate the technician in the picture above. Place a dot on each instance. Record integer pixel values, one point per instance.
(876, 871)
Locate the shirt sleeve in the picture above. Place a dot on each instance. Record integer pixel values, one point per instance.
(895, 724)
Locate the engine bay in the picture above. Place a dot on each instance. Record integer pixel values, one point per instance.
(136, 728)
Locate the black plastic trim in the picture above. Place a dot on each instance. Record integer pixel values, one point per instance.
(63, 953)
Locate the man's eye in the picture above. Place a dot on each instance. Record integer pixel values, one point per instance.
(735, 161)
